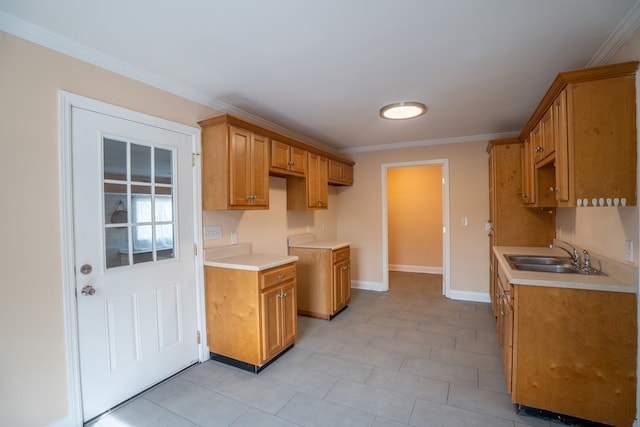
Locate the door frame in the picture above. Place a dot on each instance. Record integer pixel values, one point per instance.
(446, 239)
(67, 101)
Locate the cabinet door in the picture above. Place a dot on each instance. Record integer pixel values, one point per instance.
(317, 181)
(528, 179)
(259, 170)
(298, 161)
(546, 136)
(342, 285)
(239, 167)
(340, 173)
(289, 314)
(280, 156)
(271, 305)
(559, 111)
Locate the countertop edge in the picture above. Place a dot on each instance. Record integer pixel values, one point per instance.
(252, 262)
(558, 280)
(321, 245)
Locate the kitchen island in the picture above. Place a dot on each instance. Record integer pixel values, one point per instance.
(569, 341)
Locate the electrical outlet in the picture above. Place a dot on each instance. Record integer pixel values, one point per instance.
(212, 232)
(234, 237)
(628, 250)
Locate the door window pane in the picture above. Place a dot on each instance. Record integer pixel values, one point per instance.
(138, 196)
(164, 166)
(140, 163)
(115, 159)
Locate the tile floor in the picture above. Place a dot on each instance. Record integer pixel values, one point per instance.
(404, 357)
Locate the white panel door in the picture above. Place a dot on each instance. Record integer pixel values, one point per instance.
(134, 257)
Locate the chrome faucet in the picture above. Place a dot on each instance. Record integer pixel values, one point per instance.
(587, 261)
(573, 253)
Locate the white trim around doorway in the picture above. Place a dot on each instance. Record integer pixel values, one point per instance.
(446, 264)
(66, 102)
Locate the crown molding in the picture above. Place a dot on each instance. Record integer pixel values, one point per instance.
(623, 32)
(429, 142)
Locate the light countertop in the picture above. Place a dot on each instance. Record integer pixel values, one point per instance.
(307, 241)
(321, 245)
(240, 257)
(620, 277)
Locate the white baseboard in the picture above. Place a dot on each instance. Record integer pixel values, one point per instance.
(367, 286)
(469, 296)
(415, 269)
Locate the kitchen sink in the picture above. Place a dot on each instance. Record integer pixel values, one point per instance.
(547, 264)
(548, 268)
(535, 259)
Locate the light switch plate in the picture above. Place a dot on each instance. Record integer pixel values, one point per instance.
(628, 250)
(212, 232)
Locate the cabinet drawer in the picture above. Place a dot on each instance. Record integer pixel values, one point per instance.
(341, 255)
(277, 275)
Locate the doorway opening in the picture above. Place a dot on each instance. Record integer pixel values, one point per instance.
(415, 219)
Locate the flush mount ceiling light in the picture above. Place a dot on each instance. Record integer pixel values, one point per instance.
(403, 110)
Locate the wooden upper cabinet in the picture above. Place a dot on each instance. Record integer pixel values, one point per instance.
(235, 168)
(340, 173)
(584, 138)
(249, 174)
(310, 192)
(287, 159)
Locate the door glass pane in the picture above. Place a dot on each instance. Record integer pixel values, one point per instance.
(116, 242)
(139, 218)
(115, 203)
(115, 159)
(163, 166)
(140, 163)
(164, 208)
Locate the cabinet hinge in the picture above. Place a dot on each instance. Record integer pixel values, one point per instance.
(195, 249)
(198, 337)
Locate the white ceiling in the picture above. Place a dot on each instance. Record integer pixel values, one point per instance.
(324, 68)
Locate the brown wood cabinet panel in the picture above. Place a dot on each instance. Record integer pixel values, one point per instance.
(311, 192)
(249, 313)
(575, 352)
(235, 169)
(324, 281)
(588, 117)
(287, 160)
(340, 173)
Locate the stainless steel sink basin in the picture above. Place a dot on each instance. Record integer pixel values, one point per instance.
(547, 264)
(548, 268)
(536, 259)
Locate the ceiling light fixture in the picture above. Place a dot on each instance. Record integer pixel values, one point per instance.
(403, 110)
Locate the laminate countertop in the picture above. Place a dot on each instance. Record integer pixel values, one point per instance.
(321, 245)
(620, 277)
(240, 257)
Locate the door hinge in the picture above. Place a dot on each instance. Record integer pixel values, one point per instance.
(198, 337)
(194, 156)
(195, 249)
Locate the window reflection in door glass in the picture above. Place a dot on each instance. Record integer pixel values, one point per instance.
(115, 159)
(138, 197)
(140, 163)
(163, 166)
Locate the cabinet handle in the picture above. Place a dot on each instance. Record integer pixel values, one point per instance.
(344, 267)
(524, 196)
(280, 277)
(539, 149)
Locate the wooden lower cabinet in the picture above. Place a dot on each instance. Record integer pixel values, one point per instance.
(573, 352)
(251, 315)
(324, 281)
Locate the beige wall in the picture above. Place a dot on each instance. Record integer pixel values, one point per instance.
(32, 361)
(267, 230)
(414, 200)
(360, 213)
